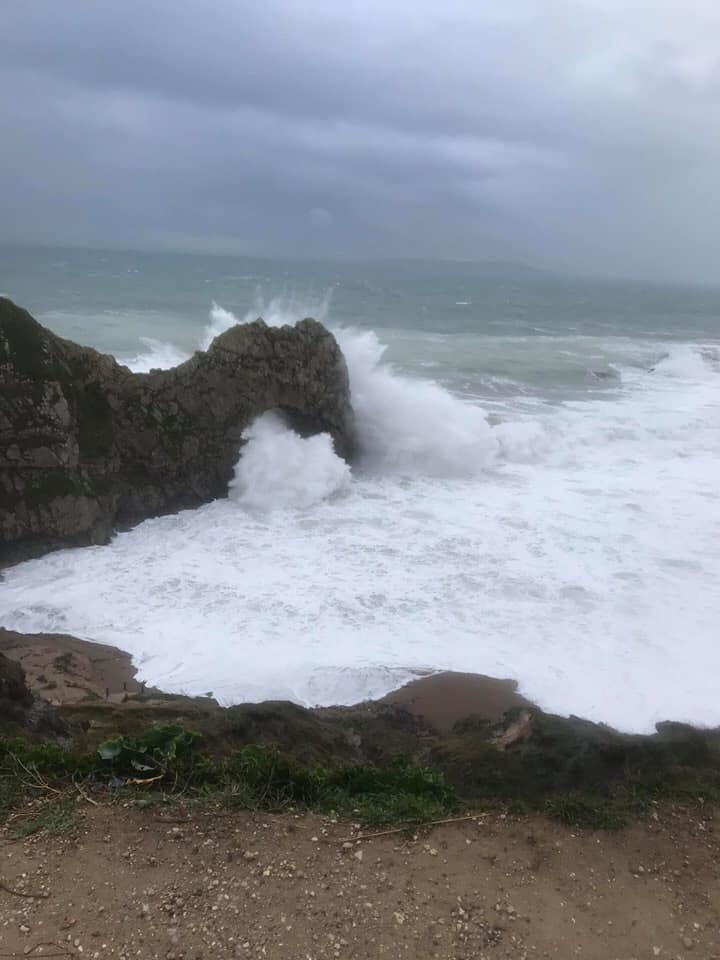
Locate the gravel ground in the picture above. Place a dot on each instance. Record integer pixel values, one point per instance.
(180, 884)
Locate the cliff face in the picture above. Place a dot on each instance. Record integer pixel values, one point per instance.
(87, 445)
(21, 711)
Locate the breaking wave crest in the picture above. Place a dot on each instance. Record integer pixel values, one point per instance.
(408, 426)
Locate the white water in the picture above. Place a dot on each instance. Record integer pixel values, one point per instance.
(280, 469)
(574, 547)
(411, 427)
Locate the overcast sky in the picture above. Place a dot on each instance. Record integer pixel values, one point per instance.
(576, 134)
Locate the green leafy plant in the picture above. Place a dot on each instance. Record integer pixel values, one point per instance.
(172, 761)
(149, 755)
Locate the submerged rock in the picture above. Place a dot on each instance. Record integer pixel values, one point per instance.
(86, 445)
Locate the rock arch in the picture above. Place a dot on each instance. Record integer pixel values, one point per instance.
(86, 445)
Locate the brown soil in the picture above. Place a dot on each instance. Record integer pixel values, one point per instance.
(177, 884)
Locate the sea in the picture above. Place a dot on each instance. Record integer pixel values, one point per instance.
(537, 493)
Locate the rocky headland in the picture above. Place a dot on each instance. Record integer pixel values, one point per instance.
(87, 446)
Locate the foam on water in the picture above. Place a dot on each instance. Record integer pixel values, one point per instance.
(689, 363)
(220, 320)
(156, 356)
(411, 427)
(279, 469)
(574, 546)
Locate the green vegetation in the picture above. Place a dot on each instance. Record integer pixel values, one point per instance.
(622, 804)
(164, 763)
(171, 759)
(154, 754)
(581, 773)
(57, 818)
(396, 792)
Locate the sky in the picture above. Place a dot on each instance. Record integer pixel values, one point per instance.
(579, 135)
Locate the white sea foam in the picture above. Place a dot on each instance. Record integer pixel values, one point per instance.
(407, 426)
(575, 547)
(220, 321)
(280, 469)
(688, 362)
(156, 356)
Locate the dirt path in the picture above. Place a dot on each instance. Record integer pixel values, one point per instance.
(127, 883)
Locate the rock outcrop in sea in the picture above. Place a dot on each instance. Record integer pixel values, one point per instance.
(87, 446)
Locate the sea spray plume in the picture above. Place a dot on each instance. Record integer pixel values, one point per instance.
(686, 362)
(280, 469)
(220, 321)
(411, 426)
(277, 312)
(289, 309)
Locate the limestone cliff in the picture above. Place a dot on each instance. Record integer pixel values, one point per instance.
(86, 445)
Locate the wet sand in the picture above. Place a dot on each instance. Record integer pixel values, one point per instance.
(442, 699)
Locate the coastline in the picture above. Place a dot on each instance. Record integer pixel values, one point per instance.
(65, 671)
(556, 833)
(199, 638)
(490, 744)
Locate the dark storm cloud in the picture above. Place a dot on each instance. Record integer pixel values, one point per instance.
(579, 134)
